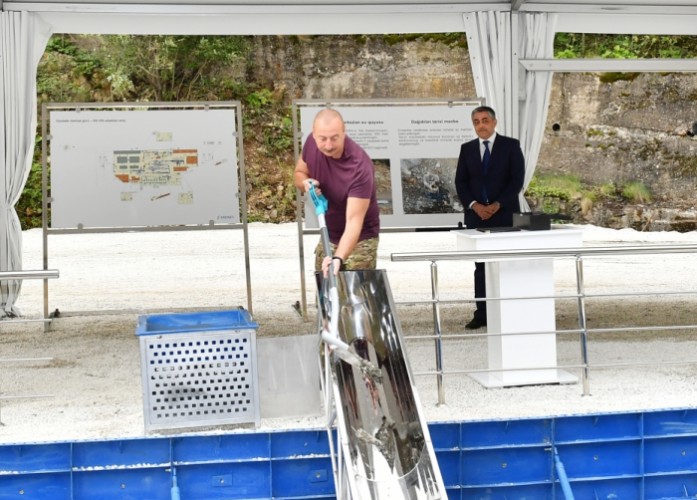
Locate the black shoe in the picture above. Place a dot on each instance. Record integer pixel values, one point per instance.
(474, 324)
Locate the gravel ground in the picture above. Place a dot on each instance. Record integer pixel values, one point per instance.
(82, 380)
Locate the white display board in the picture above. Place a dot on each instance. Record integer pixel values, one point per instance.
(414, 146)
(143, 167)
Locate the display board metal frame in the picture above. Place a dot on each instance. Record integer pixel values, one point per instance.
(172, 160)
(414, 145)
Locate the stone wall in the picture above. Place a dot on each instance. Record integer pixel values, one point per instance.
(325, 67)
(638, 129)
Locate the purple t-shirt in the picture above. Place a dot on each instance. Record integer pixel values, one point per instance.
(352, 175)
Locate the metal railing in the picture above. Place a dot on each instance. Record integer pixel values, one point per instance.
(578, 254)
(44, 274)
(23, 275)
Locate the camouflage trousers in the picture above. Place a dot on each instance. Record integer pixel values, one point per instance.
(364, 255)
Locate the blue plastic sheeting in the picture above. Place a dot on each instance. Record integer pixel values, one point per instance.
(637, 456)
(157, 324)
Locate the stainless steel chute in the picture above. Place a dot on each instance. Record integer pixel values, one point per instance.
(384, 449)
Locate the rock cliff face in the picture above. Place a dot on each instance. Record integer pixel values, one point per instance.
(323, 67)
(636, 128)
(639, 129)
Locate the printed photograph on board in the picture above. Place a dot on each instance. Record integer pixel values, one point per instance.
(428, 186)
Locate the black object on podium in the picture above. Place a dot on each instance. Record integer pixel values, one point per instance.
(532, 221)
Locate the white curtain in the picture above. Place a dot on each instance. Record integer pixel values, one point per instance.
(23, 38)
(489, 44)
(536, 41)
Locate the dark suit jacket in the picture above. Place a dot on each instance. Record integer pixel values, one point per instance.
(503, 182)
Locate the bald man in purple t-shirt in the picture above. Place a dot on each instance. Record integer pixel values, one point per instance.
(344, 173)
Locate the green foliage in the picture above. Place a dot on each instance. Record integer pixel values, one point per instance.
(587, 46)
(567, 53)
(563, 187)
(268, 111)
(268, 127)
(171, 68)
(67, 73)
(84, 62)
(29, 207)
(566, 193)
(609, 189)
(621, 50)
(258, 99)
(636, 192)
(278, 135)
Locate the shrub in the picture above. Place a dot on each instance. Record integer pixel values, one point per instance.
(636, 192)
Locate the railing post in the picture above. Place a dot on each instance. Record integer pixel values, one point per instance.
(437, 331)
(581, 301)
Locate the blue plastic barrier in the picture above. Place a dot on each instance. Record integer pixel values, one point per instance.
(636, 456)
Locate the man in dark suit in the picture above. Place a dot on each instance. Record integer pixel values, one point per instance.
(489, 177)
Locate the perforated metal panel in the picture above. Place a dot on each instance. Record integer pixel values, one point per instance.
(199, 379)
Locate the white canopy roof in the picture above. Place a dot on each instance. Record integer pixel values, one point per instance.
(352, 17)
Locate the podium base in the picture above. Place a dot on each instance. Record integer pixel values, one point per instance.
(520, 378)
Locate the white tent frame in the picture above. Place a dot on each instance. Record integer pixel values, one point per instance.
(333, 17)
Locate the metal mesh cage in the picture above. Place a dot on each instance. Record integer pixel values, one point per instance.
(199, 379)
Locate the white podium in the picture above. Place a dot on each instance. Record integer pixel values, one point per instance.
(510, 349)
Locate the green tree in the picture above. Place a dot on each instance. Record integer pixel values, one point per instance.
(67, 73)
(173, 68)
(581, 45)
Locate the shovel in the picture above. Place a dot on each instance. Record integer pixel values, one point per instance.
(330, 298)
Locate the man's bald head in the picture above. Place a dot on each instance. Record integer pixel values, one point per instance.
(327, 116)
(329, 132)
